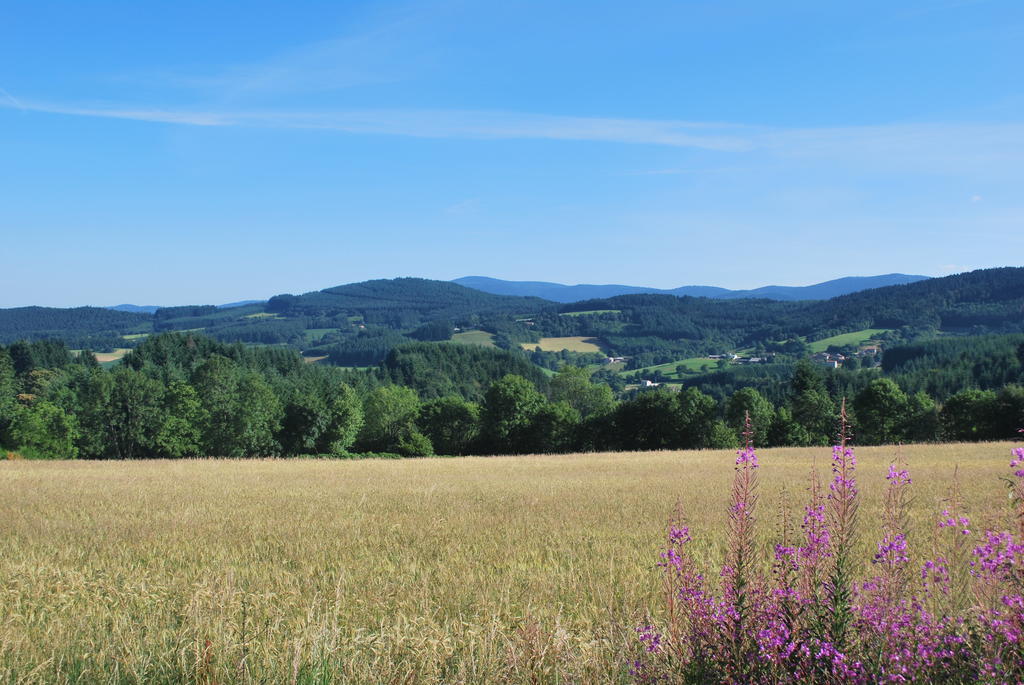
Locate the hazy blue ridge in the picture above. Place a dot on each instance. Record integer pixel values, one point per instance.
(150, 308)
(558, 292)
(241, 303)
(135, 308)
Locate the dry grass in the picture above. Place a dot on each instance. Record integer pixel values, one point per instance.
(107, 357)
(571, 343)
(527, 569)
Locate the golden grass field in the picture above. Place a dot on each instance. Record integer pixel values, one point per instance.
(470, 570)
(107, 357)
(572, 343)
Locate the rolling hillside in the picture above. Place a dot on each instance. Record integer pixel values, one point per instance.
(358, 323)
(49, 322)
(418, 298)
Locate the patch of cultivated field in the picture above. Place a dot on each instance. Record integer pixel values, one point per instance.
(474, 338)
(571, 343)
(862, 337)
(471, 570)
(110, 357)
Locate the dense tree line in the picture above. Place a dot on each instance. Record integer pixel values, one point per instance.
(180, 395)
(553, 361)
(365, 348)
(947, 365)
(177, 396)
(467, 371)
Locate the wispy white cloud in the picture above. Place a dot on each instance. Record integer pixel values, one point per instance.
(678, 171)
(10, 100)
(928, 146)
(434, 124)
(922, 144)
(162, 116)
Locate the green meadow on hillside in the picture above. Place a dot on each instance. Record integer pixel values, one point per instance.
(474, 338)
(693, 366)
(862, 337)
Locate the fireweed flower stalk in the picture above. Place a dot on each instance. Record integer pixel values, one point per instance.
(931, 630)
(899, 639)
(841, 521)
(692, 638)
(785, 591)
(1017, 486)
(742, 587)
(946, 580)
(792, 640)
(752, 621)
(711, 638)
(998, 571)
(891, 559)
(812, 555)
(881, 607)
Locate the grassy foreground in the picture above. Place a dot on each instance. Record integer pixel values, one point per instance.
(522, 569)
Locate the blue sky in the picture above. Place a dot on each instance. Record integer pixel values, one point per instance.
(187, 152)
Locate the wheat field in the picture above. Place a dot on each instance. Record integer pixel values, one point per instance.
(472, 570)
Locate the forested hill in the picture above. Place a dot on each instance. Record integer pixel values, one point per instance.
(389, 300)
(48, 322)
(990, 298)
(401, 303)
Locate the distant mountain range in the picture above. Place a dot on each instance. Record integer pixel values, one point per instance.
(150, 308)
(557, 292)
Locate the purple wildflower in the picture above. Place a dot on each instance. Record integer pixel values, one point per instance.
(747, 456)
(1018, 460)
(950, 521)
(679, 535)
(901, 476)
(892, 551)
(650, 637)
